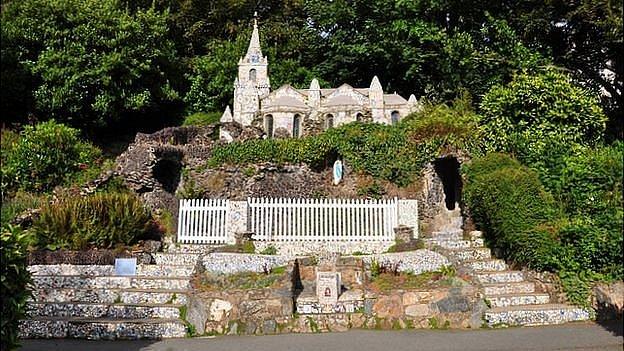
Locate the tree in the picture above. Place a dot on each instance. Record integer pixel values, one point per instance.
(533, 111)
(94, 62)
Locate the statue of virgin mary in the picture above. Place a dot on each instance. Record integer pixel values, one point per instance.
(337, 171)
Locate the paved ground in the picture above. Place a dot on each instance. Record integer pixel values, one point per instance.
(585, 336)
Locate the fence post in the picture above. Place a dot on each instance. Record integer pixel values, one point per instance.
(408, 214)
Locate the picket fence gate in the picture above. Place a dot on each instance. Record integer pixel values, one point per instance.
(207, 221)
(203, 221)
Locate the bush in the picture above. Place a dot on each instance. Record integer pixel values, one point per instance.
(102, 220)
(519, 217)
(507, 199)
(45, 156)
(538, 108)
(15, 279)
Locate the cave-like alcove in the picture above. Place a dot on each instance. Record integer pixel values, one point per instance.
(167, 173)
(447, 169)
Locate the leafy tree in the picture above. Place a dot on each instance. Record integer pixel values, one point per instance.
(583, 36)
(93, 61)
(532, 111)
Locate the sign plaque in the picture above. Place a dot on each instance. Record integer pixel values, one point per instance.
(125, 266)
(327, 287)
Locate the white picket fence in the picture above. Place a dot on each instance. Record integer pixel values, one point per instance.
(203, 221)
(323, 219)
(207, 221)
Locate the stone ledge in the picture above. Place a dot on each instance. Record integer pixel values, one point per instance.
(95, 329)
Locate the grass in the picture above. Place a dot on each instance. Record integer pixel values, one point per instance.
(385, 282)
(201, 118)
(240, 281)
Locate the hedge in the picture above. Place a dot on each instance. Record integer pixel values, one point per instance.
(15, 279)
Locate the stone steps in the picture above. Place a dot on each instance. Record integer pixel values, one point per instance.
(518, 299)
(493, 277)
(101, 310)
(177, 258)
(532, 315)
(108, 296)
(448, 235)
(493, 264)
(471, 254)
(101, 329)
(508, 288)
(157, 270)
(450, 244)
(513, 300)
(111, 282)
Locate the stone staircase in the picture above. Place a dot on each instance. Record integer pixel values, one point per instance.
(513, 300)
(91, 302)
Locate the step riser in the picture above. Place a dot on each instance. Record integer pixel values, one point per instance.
(493, 265)
(502, 277)
(176, 259)
(100, 331)
(107, 296)
(447, 236)
(76, 282)
(472, 254)
(93, 270)
(537, 317)
(506, 289)
(451, 244)
(101, 311)
(519, 300)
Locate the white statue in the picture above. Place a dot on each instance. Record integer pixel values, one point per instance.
(337, 171)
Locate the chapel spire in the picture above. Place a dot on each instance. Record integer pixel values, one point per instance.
(254, 43)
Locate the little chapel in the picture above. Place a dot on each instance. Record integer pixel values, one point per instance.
(290, 112)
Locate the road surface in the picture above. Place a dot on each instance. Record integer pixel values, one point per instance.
(578, 337)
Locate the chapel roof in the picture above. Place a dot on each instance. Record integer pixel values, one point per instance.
(341, 100)
(285, 101)
(394, 99)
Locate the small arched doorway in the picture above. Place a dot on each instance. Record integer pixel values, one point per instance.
(296, 126)
(268, 125)
(329, 121)
(447, 169)
(394, 117)
(359, 117)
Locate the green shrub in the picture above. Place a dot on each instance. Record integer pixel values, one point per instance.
(101, 220)
(15, 279)
(45, 156)
(535, 109)
(269, 250)
(202, 118)
(591, 181)
(507, 199)
(509, 202)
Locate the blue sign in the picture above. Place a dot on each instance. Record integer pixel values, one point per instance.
(125, 266)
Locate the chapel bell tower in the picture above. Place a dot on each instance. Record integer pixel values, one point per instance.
(252, 82)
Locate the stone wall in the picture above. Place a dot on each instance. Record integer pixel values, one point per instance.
(152, 164)
(272, 310)
(416, 262)
(305, 248)
(228, 263)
